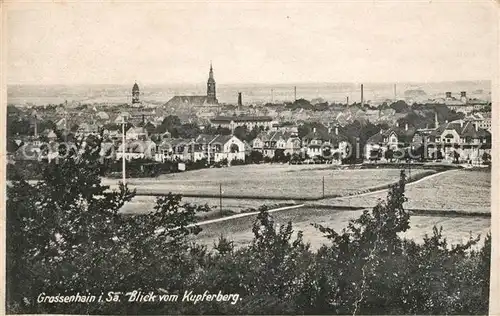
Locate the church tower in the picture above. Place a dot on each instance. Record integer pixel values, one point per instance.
(211, 97)
(135, 94)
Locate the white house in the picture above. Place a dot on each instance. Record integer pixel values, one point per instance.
(137, 149)
(136, 133)
(228, 147)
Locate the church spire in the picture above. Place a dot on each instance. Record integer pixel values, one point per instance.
(211, 95)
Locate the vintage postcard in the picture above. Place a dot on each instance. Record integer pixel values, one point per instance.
(250, 157)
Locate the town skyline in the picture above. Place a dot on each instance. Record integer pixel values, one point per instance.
(251, 43)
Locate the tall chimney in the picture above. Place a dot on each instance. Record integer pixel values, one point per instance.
(436, 122)
(347, 100)
(240, 103)
(36, 127)
(295, 93)
(362, 99)
(395, 95)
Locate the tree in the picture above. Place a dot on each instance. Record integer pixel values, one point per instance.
(389, 154)
(256, 156)
(486, 158)
(65, 234)
(241, 132)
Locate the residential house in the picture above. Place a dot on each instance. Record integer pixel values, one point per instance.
(464, 137)
(228, 147)
(268, 142)
(136, 133)
(250, 122)
(86, 129)
(326, 144)
(137, 149)
(394, 138)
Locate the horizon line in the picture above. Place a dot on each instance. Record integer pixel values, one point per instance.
(250, 83)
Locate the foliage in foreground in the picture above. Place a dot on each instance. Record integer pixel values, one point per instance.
(65, 235)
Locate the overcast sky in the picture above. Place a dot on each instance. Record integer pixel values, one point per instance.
(259, 42)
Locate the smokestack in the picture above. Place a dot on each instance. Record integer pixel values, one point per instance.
(436, 122)
(395, 95)
(295, 93)
(347, 100)
(362, 100)
(272, 95)
(240, 103)
(36, 127)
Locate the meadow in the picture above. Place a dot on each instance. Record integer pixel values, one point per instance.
(239, 230)
(276, 181)
(462, 190)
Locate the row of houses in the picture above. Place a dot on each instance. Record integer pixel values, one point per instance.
(464, 138)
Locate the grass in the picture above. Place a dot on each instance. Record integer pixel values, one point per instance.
(282, 182)
(463, 190)
(455, 229)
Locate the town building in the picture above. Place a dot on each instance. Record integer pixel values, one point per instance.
(250, 121)
(394, 138)
(210, 99)
(328, 144)
(213, 148)
(462, 137)
(137, 149)
(268, 143)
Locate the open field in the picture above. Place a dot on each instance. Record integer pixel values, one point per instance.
(269, 181)
(455, 229)
(144, 204)
(463, 190)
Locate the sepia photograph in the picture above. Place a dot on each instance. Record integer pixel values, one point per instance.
(250, 157)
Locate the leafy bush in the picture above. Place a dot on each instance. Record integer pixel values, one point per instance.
(66, 235)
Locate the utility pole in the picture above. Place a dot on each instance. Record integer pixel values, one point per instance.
(123, 151)
(36, 128)
(323, 186)
(220, 198)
